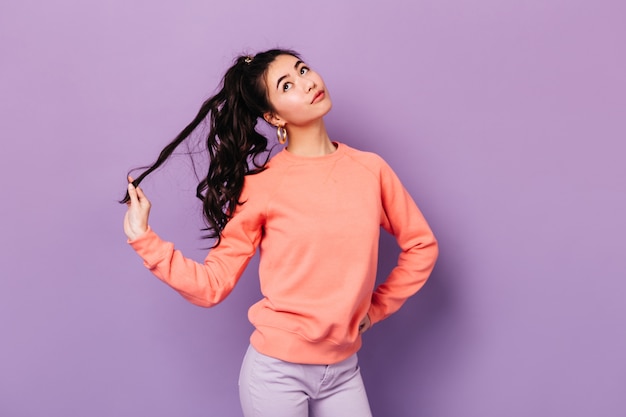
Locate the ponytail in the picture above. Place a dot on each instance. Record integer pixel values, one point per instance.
(232, 143)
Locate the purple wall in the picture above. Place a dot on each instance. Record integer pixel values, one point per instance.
(505, 120)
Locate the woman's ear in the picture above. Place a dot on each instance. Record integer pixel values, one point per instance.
(272, 119)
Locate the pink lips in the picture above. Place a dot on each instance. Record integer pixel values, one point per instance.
(319, 96)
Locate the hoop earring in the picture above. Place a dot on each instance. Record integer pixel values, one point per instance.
(281, 134)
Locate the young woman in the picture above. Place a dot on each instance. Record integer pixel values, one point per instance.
(314, 211)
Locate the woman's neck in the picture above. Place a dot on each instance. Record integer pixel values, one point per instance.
(310, 140)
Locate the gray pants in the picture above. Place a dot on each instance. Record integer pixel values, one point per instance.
(269, 387)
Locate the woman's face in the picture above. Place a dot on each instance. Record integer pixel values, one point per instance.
(296, 92)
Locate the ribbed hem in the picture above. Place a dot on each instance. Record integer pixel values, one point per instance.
(290, 347)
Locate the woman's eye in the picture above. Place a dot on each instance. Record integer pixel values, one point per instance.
(304, 70)
(286, 86)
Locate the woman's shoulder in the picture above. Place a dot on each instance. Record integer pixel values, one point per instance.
(265, 177)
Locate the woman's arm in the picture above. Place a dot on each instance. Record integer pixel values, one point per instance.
(204, 284)
(402, 218)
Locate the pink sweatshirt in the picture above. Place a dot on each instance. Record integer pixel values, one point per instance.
(316, 222)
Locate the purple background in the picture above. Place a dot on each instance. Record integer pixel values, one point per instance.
(506, 120)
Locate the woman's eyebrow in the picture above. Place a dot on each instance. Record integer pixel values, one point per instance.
(298, 62)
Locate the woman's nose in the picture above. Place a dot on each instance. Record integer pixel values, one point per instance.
(309, 85)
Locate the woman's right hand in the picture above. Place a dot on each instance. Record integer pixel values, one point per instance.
(136, 217)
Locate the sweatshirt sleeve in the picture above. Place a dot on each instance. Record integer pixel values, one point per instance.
(204, 284)
(402, 218)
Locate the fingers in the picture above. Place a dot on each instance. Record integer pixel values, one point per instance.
(362, 326)
(137, 213)
(140, 194)
(365, 324)
(132, 193)
(136, 194)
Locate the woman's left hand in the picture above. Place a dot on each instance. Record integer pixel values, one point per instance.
(365, 324)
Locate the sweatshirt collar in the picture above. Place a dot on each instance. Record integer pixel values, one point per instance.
(287, 156)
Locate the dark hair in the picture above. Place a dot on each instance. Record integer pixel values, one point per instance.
(233, 143)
